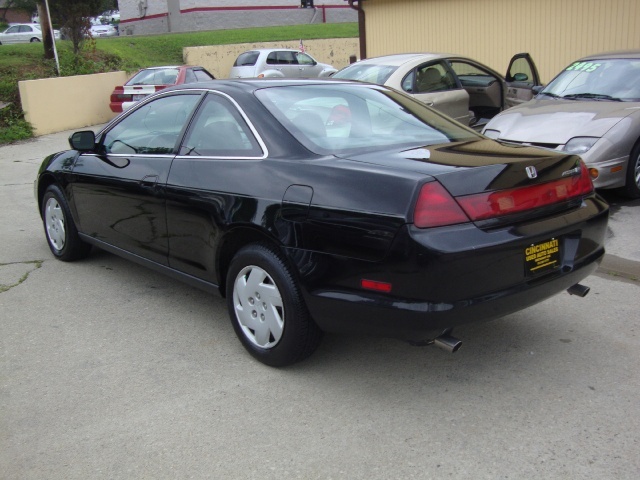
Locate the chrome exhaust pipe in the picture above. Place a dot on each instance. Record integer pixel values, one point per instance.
(579, 290)
(447, 343)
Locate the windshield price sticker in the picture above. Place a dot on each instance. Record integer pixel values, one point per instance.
(583, 67)
(543, 256)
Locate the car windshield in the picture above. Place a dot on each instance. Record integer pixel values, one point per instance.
(609, 80)
(366, 73)
(336, 119)
(156, 76)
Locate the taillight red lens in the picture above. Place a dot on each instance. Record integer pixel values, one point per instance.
(483, 206)
(436, 207)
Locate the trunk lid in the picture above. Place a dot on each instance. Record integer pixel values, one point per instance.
(475, 166)
(495, 183)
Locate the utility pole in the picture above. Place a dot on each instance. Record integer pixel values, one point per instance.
(48, 39)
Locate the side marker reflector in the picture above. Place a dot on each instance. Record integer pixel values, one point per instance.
(383, 287)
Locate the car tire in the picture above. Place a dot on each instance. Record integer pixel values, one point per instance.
(632, 185)
(266, 307)
(34, 40)
(59, 227)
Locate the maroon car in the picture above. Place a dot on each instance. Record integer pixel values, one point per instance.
(151, 80)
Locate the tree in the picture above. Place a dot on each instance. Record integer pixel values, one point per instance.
(5, 8)
(73, 16)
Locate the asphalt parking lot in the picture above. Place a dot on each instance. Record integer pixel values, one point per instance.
(108, 370)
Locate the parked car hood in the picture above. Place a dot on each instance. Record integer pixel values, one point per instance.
(558, 121)
(473, 166)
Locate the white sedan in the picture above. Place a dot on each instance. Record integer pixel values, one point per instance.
(24, 33)
(103, 31)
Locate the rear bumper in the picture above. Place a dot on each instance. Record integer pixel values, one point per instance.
(349, 312)
(451, 276)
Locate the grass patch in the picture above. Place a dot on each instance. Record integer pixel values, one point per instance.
(26, 62)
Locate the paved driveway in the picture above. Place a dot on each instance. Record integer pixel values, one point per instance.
(109, 371)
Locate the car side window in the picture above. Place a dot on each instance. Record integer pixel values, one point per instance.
(470, 75)
(433, 77)
(287, 58)
(304, 59)
(520, 71)
(219, 130)
(151, 129)
(272, 58)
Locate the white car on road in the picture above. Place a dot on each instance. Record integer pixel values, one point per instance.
(24, 33)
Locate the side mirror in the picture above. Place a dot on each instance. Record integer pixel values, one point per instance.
(520, 77)
(83, 141)
(537, 89)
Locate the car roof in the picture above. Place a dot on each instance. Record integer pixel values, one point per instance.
(616, 54)
(273, 50)
(166, 66)
(252, 84)
(36, 25)
(398, 59)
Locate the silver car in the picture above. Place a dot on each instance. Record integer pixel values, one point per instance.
(592, 108)
(103, 31)
(24, 33)
(280, 62)
(459, 87)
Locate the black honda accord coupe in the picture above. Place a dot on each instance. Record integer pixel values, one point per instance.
(325, 206)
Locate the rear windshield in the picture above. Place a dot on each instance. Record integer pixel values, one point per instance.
(203, 76)
(366, 73)
(246, 59)
(156, 76)
(341, 118)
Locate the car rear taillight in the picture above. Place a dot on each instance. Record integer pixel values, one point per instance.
(436, 207)
(118, 96)
(487, 205)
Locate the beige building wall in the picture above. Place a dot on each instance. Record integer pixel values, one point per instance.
(218, 59)
(65, 103)
(554, 32)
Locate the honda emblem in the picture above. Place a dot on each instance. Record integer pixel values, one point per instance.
(531, 172)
